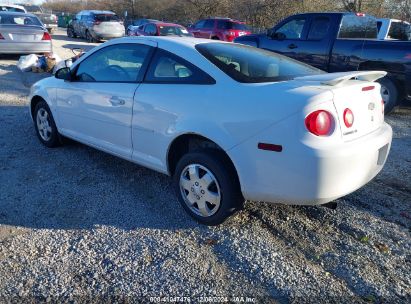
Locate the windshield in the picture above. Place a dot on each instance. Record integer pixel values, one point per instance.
(19, 20)
(33, 8)
(251, 65)
(106, 17)
(169, 30)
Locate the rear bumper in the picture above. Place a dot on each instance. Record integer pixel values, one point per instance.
(26, 47)
(106, 36)
(303, 175)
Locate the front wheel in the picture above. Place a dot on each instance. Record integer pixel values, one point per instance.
(70, 33)
(45, 126)
(207, 186)
(389, 94)
(89, 37)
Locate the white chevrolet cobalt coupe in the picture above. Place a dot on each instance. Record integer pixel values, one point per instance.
(229, 122)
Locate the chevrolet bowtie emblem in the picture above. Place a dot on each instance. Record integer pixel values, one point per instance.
(371, 106)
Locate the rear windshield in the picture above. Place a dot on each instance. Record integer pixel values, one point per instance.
(358, 27)
(251, 65)
(19, 20)
(173, 31)
(33, 8)
(229, 25)
(11, 9)
(106, 17)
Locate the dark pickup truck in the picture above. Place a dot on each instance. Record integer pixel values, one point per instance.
(337, 42)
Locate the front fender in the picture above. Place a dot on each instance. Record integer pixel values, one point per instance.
(45, 90)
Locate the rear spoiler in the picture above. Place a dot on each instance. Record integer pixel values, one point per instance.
(335, 79)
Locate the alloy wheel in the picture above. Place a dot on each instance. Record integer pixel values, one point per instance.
(43, 124)
(200, 190)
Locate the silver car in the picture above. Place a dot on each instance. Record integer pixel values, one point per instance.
(23, 34)
(95, 26)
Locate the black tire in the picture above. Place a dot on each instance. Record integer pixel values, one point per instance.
(54, 137)
(389, 89)
(89, 37)
(215, 38)
(229, 191)
(70, 33)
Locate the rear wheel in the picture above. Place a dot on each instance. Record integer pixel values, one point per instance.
(389, 94)
(207, 187)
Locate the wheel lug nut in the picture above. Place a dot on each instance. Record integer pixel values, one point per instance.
(196, 183)
(202, 192)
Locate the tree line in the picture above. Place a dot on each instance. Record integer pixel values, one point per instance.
(257, 13)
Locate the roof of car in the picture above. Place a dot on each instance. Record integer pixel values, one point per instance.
(184, 41)
(161, 23)
(98, 12)
(12, 5)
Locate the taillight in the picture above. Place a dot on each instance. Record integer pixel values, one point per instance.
(382, 106)
(319, 123)
(46, 36)
(348, 118)
(229, 33)
(1, 37)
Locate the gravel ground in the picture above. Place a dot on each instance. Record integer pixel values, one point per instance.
(80, 225)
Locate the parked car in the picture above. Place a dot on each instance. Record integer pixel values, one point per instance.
(22, 33)
(161, 29)
(229, 122)
(12, 8)
(393, 29)
(338, 42)
(224, 29)
(132, 27)
(49, 19)
(95, 26)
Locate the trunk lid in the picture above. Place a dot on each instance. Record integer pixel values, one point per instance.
(357, 92)
(22, 33)
(365, 102)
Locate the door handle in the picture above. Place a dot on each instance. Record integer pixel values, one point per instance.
(292, 46)
(115, 101)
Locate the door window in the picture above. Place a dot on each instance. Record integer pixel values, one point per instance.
(116, 63)
(151, 29)
(209, 24)
(199, 24)
(169, 68)
(293, 29)
(358, 27)
(319, 28)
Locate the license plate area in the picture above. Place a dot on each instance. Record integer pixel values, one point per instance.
(23, 37)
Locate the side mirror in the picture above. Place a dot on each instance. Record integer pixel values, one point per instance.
(63, 73)
(278, 36)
